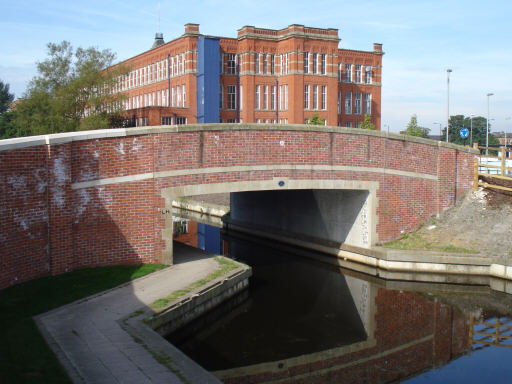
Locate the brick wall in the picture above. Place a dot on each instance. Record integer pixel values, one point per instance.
(51, 225)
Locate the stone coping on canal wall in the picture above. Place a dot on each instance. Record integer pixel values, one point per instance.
(427, 266)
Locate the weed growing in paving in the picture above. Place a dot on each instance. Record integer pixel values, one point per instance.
(226, 265)
(24, 355)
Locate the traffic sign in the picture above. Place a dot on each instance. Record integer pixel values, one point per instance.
(464, 133)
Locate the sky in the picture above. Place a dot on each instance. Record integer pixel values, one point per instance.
(421, 40)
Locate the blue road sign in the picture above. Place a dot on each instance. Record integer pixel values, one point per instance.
(464, 133)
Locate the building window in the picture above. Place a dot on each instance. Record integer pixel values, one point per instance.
(280, 97)
(306, 62)
(315, 96)
(256, 63)
(231, 63)
(348, 103)
(221, 96)
(273, 98)
(183, 63)
(358, 73)
(158, 100)
(368, 75)
(357, 103)
(348, 124)
(339, 72)
(272, 64)
(264, 63)
(324, 97)
(184, 95)
(286, 99)
(166, 120)
(324, 64)
(306, 96)
(368, 103)
(286, 63)
(231, 97)
(265, 97)
(178, 96)
(257, 98)
(348, 73)
(315, 58)
(181, 120)
(339, 102)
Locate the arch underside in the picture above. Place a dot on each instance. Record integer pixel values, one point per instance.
(333, 212)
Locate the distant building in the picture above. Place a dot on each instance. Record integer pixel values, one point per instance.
(263, 76)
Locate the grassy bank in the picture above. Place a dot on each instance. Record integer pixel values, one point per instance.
(24, 355)
(414, 241)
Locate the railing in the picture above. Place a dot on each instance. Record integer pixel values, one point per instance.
(488, 333)
(492, 168)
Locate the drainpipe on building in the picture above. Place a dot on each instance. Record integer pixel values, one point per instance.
(238, 88)
(277, 101)
(168, 80)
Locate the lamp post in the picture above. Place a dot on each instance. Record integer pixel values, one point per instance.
(440, 131)
(448, 71)
(507, 118)
(487, 133)
(471, 132)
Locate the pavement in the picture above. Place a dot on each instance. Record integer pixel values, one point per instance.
(91, 339)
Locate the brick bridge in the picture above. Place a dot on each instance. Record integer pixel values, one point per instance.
(99, 198)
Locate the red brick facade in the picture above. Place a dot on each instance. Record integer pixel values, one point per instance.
(274, 65)
(52, 222)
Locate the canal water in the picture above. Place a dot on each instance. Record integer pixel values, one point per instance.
(303, 321)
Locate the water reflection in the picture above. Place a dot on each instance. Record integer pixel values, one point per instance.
(305, 322)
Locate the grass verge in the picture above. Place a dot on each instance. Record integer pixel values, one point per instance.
(24, 355)
(225, 265)
(414, 241)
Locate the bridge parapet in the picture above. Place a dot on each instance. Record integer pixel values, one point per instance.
(94, 198)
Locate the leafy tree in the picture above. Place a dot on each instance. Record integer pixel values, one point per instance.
(6, 98)
(413, 129)
(73, 90)
(316, 120)
(457, 122)
(367, 123)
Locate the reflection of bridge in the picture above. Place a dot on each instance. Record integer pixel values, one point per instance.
(105, 197)
(491, 332)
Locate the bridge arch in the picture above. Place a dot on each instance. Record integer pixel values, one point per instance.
(362, 229)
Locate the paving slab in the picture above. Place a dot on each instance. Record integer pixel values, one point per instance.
(92, 345)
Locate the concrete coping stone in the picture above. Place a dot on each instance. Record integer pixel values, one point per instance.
(67, 137)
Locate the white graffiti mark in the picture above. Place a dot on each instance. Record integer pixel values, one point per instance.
(83, 201)
(136, 146)
(364, 224)
(120, 148)
(17, 183)
(60, 172)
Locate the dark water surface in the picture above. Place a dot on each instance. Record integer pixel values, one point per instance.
(302, 321)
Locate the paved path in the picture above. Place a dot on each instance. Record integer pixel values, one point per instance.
(93, 347)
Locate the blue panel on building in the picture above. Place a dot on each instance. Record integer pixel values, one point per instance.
(208, 79)
(208, 238)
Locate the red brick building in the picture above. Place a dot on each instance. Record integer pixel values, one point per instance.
(264, 76)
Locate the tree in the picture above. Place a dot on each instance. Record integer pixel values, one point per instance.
(74, 90)
(316, 120)
(413, 129)
(6, 98)
(479, 123)
(367, 123)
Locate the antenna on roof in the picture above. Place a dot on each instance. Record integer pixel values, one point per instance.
(158, 17)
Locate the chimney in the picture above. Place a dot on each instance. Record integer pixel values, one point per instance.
(377, 48)
(191, 29)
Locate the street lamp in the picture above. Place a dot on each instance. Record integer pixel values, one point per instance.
(448, 71)
(487, 134)
(507, 118)
(440, 131)
(471, 134)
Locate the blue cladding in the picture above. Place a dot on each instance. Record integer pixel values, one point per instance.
(208, 238)
(208, 79)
